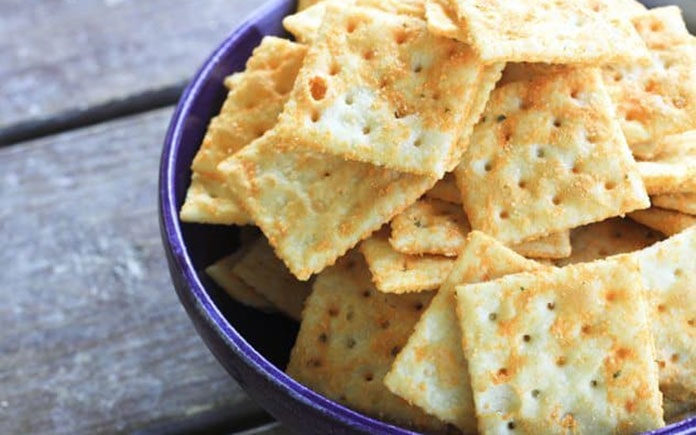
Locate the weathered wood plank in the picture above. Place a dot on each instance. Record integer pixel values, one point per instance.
(65, 56)
(92, 336)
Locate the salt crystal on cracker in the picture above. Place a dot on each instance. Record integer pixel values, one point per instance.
(562, 351)
(431, 371)
(314, 207)
(550, 31)
(252, 107)
(659, 98)
(548, 156)
(268, 276)
(610, 237)
(394, 272)
(669, 272)
(221, 272)
(435, 227)
(348, 339)
(668, 222)
(681, 202)
(379, 88)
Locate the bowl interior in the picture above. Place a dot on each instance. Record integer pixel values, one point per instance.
(271, 335)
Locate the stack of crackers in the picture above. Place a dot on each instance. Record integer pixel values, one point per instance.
(481, 211)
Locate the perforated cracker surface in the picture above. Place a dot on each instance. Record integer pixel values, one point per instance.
(562, 351)
(431, 370)
(314, 207)
(378, 87)
(551, 31)
(349, 336)
(253, 103)
(669, 271)
(548, 156)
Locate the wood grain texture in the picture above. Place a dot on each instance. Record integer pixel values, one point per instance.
(92, 336)
(66, 56)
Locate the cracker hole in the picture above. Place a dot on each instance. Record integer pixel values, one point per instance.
(674, 358)
(488, 167)
(527, 338)
(327, 174)
(556, 200)
(418, 143)
(503, 372)
(540, 153)
(384, 324)
(369, 377)
(314, 363)
(366, 294)
(679, 102)
(618, 76)
(315, 116)
(504, 214)
(400, 36)
(551, 306)
(691, 322)
(610, 185)
(317, 88)
(557, 123)
(576, 169)
(395, 351)
(586, 329)
(536, 393)
(350, 343)
(323, 338)
(511, 425)
(333, 311)
(492, 317)
(436, 96)
(417, 68)
(661, 308)
(656, 27)
(561, 361)
(522, 184)
(593, 383)
(418, 306)
(335, 69)
(678, 273)
(349, 100)
(574, 94)
(369, 55)
(351, 26)
(367, 130)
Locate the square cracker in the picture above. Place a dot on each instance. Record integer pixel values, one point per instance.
(549, 31)
(221, 272)
(256, 97)
(431, 370)
(265, 273)
(548, 156)
(681, 202)
(434, 227)
(610, 237)
(314, 207)
(668, 222)
(659, 98)
(394, 272)
(669, 272)
(533, 338)
(673, 168)
(379, 88)
(348, 339)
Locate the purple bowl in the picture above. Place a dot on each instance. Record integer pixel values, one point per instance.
(252, 346)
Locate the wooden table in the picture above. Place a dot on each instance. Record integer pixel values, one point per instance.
(92, 336)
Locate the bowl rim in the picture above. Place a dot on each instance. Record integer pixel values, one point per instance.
(173, 241)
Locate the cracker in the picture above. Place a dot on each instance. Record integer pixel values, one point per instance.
(314, 207)
(435, 227)
(668, 222)
(265, 273)
(431, 371)
(443, 20)
(548, 156)
(681, 202)
(394, 272)
(610, 237)
(550, 31)
(673, 169)
(350, 335)
(379, 88)
(221, 272)
(445, 190)
(659, 98)
(561, 351)
(304, 4)
(669, 272)
(252, 107)
(305, 24)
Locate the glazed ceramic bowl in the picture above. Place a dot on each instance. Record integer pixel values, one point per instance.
(252, 346)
